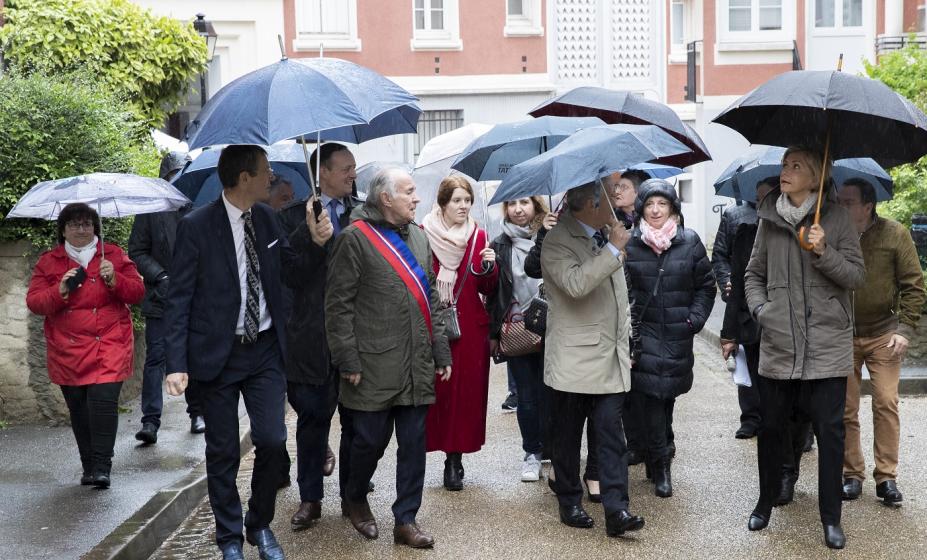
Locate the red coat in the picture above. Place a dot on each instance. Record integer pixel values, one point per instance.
(457, 420)
(89, 334)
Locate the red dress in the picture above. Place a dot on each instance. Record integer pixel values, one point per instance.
(457, 420)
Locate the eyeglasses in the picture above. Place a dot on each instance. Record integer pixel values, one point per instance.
(849, 203)
(85, 224)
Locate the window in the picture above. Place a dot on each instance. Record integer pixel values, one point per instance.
(522, 18)
(435, 25)
(922, 18)
(831, 14)
(331, 24)
(750, 15)
(436, 123)
(757, 24)
(677, 26)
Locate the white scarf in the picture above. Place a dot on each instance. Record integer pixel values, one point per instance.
(84, 254)
(449, 245)
(794, 214)
(524, 288)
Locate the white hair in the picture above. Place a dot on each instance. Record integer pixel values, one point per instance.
(384, 181)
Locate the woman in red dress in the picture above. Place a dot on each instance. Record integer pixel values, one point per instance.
(465, 268)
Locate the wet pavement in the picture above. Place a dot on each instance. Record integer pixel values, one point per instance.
(714, 480)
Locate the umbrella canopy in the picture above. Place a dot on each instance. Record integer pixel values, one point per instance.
(656, 170)
(329, 98)
(199, 180)
(861, 117)
(741, 177)
(616, 107)
(366, 173)
(586, 156)
(489, 157)
(113, 195)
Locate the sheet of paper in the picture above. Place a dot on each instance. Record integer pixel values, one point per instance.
(741, 375)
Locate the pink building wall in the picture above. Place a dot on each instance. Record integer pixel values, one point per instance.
(385, 30)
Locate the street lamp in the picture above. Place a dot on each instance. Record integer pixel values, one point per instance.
(205, 30)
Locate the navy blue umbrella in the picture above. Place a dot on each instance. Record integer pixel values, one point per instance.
(615, 107)
(199, 180)
(328, 98)
(489, 157)
(741, 177)
(586, 156)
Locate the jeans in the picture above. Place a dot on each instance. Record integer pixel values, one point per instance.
(528, 372)
(94, 420)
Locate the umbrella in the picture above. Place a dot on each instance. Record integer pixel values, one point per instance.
(489, 157)
(113, 194)
(587, 156)
(741, 177)
(616, 107)
(366, 173)
(656, 170)
(199, 180)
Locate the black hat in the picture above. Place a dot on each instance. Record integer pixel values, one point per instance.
(173, 161)
(657, 187)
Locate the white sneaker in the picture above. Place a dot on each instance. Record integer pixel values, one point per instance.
(531, 468)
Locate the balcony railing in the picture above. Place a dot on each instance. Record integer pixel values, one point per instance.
(888, 43)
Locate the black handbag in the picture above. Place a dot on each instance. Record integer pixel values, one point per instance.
(451, 319)
(536, 314)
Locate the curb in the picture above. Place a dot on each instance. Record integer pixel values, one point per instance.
(141, 535)
(907, 386)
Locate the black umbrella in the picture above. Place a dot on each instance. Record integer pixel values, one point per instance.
(841, 115)
(617, 107)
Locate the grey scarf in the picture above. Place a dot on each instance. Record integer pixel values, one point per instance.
(794, 214)
(524, 288)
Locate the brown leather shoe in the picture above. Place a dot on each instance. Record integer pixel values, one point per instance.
(329, 466)
(362, 519)
(410, 535)
(307, 513)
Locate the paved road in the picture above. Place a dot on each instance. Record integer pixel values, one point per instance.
(497, 516)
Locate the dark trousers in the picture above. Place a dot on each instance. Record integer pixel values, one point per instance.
(256, 372)
(528, 372)
(371, 434)
(634, 423)
(153, 376)
(344, 449)
(604, 412)
(592, 451)
(821, 400)
(657, 416)
(749, 397)
(94, 420)
(314, 406)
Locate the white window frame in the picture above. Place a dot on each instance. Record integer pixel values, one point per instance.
(677, 52)
(309, 41)
(447, 39)
(756, 40)
(838, 28)
(527, 24)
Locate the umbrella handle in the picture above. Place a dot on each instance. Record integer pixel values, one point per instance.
(802, 232)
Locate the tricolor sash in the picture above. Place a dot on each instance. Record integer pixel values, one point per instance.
(399, 256)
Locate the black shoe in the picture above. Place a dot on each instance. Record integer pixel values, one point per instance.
(852, 488)
(197, 424)
(148, 434)
(809, 442)
(888, 491)
(594, 498)
(575, 516)
(268, 548)
(834, 537)
(371, 487)
(757, 521)
(86, 479)
(662, 480)
(510, 403)
(452, 480)
(285, 481)
(746, 431)
(786, 491)
(232, 551)
(618, 523)
(635, 457)
(100, 480)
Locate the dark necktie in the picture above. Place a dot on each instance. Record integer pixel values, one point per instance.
(333, 205)
(599, 239)
(252, 301)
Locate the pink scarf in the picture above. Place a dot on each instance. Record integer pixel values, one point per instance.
(658, 239)
(449, 245)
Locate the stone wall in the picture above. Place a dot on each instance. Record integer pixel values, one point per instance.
(917, 349)
(26, 394)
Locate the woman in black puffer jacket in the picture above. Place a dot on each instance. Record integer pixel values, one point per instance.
(673, 290)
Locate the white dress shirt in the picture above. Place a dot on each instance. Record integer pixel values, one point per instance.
(592, 231)
(238, 236)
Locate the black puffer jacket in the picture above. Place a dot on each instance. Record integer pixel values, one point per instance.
(722, 255)
(673, 296)
(500, 301)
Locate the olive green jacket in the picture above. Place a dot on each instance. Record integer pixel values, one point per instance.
(893, 295)
(806, 313)
(374, 325)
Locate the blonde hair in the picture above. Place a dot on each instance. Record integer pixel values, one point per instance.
(540, 211)
(815, 161)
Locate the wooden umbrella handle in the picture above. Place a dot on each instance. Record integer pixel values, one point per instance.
(803, 231)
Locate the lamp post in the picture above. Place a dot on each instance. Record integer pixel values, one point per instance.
(205, 30)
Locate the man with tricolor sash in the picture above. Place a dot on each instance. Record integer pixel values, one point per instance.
(388, 344)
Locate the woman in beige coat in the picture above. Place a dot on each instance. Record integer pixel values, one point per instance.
(801, 300)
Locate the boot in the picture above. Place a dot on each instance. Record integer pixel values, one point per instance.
(452, 479)
(662, 483)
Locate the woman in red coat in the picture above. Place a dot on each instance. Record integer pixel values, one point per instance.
(88, 331)
(464, 264)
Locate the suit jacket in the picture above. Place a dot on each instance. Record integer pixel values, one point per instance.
(204, 297)
(151, 246)
(588, 317)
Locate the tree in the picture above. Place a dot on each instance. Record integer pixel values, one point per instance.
(150, 60)
(905, 71)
